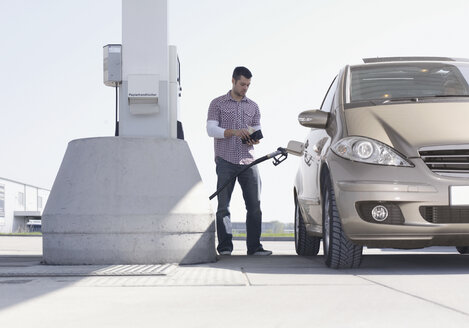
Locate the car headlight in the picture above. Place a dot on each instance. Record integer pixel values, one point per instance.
(366, 150)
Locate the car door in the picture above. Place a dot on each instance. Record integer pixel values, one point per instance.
(310, 196)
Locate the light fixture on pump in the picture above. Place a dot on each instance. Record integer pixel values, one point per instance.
(112, 73)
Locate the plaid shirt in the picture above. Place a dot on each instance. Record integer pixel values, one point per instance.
(232, 114)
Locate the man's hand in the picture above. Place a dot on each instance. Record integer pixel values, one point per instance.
(241, 133)
(252, 142)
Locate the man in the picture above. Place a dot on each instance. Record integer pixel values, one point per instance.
(229, 118)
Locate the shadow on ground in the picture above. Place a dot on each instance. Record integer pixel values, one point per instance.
(380, 264)
(237, 271)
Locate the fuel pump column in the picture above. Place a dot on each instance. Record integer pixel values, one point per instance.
(136, 198)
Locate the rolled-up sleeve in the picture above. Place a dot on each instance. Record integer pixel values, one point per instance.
(213, 121)
(213, 111)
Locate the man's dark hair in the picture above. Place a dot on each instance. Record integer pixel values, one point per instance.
(241, 71)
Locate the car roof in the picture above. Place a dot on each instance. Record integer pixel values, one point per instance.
(411, 59)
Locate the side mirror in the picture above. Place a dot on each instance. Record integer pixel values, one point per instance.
(314, 119)
(295, 148)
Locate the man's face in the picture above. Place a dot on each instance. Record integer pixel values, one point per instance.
(241, 86)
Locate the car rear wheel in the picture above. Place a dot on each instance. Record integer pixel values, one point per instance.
(463, 249)
(305, 245)
(339, 251)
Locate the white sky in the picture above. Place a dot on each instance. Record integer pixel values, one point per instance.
(51, 63)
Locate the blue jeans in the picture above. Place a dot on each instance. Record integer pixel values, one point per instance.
(250, 183)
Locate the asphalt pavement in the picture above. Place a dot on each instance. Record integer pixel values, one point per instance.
(418, 288)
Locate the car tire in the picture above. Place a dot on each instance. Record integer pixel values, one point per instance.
(305, 245)
(463, 249)
(339, 251)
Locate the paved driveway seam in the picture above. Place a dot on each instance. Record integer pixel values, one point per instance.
(414, 296)
(248, 282)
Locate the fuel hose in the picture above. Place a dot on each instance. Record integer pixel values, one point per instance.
(279, 156)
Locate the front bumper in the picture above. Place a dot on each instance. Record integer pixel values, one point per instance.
(408, 188)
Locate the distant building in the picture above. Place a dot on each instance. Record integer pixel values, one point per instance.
(21, 206)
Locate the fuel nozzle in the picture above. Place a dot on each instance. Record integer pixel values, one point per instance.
(282, 155)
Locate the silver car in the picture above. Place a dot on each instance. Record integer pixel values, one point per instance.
(386, 160)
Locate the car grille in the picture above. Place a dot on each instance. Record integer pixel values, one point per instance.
(447, 160)
(445, 214)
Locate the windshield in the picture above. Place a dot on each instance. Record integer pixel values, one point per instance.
(383, 83)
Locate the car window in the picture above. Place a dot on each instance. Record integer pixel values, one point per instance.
(327, 102)
(383, 82)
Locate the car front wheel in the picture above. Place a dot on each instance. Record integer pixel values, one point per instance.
(339, 251)
(305, 245)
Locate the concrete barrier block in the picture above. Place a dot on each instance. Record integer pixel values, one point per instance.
(136, 189)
